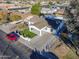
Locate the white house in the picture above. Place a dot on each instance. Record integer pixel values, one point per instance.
(38, 25)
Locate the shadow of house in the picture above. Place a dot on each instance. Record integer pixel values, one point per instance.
(58, 26)
(43, 55)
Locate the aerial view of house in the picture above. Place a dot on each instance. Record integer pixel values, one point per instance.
(39, 29)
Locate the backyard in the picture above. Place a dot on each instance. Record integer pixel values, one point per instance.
(71, 55)
(64, 52)
(27, 33)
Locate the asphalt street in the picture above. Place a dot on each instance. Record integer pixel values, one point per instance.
(15, 49)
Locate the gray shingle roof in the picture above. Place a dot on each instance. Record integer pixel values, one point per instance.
(39, 22)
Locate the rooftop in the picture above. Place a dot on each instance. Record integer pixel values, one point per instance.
(39, 22)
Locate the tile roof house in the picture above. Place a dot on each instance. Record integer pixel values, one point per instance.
(38, 25)
(59, 14)
(6, 6)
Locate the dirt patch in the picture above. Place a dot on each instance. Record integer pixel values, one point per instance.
(61, 50)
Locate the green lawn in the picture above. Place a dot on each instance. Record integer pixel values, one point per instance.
(27, 33)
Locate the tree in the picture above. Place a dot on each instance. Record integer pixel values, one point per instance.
(72, 13)
(50, 3)
(36, 9)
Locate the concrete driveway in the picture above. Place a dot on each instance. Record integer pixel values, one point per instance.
(40, 42)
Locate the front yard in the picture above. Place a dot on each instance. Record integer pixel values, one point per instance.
(27, 33)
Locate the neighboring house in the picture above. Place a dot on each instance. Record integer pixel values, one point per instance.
(8, 28)
(44, 3)
(1, 0)
(21, 9)
(38, 25)
(48, 10)
(59, 14)
(6, 6)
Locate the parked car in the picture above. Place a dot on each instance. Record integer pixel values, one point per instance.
(12, 36)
